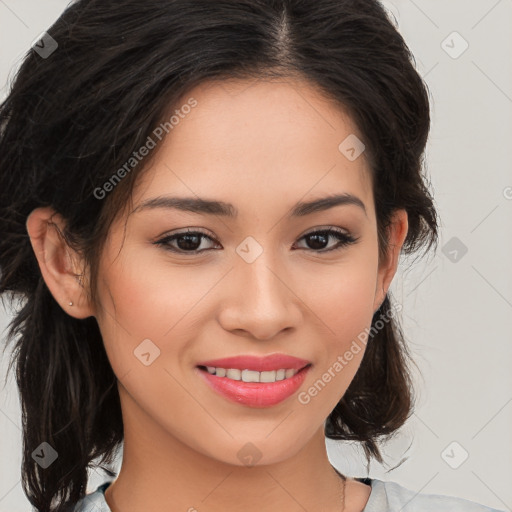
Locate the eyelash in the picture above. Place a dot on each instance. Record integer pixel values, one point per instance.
(344, 240)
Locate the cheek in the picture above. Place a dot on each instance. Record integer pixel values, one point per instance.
(342, 296)
(144, 298)
(343, 311)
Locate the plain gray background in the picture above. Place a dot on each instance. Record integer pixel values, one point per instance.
(457, 305)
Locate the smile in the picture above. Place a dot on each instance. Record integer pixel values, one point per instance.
(253, 388)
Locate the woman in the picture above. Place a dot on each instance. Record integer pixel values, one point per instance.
(203, 205)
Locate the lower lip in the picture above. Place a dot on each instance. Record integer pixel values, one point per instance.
(255, 394)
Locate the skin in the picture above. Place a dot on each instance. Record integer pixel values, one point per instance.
(262, 146)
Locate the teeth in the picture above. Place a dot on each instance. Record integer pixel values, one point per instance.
(252, 375)
(234, 373)
(290, 373)
(268, 376)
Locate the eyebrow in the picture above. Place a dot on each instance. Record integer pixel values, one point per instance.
(212, 207)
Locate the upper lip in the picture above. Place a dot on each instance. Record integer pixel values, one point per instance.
(258, 363)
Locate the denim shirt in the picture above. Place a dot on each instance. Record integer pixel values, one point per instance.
(384, 497)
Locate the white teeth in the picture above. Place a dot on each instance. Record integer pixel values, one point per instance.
(280, 374)
(252, 375)
(268, 376)
(234, 374)
(290, 373)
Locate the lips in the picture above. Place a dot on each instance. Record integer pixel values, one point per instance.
(255, 394)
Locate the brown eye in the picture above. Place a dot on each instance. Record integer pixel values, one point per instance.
(317, 240)
(186, 242)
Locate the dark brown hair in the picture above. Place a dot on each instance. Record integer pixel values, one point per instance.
(73, 117)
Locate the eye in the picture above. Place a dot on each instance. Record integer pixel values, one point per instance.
(187, 241)
(319, 238)
(190, 241)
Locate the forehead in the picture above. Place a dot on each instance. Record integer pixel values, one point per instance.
(257, 143)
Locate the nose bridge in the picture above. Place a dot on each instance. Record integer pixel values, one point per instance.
(260, 301)
(262, 279)
(259, 270)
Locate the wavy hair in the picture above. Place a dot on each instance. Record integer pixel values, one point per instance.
(75, 116)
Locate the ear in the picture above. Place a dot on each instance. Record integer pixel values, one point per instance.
(60, 265)
(397, 232)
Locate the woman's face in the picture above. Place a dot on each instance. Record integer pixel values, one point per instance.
(254, 283)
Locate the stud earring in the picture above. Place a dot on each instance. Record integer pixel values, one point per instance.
(70, 303)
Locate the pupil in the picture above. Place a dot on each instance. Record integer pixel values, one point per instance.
(189, 245)
(315, 238)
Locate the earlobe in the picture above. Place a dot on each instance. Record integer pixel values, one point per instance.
(397, 235)
(55, 258)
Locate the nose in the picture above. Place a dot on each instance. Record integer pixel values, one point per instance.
(260, 300)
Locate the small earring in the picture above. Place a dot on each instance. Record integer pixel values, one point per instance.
(70, 303)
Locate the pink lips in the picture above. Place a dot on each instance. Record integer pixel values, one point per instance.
(256, 394)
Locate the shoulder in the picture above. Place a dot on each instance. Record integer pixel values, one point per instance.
(384, 497)
(94, 501)
(391, 497)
